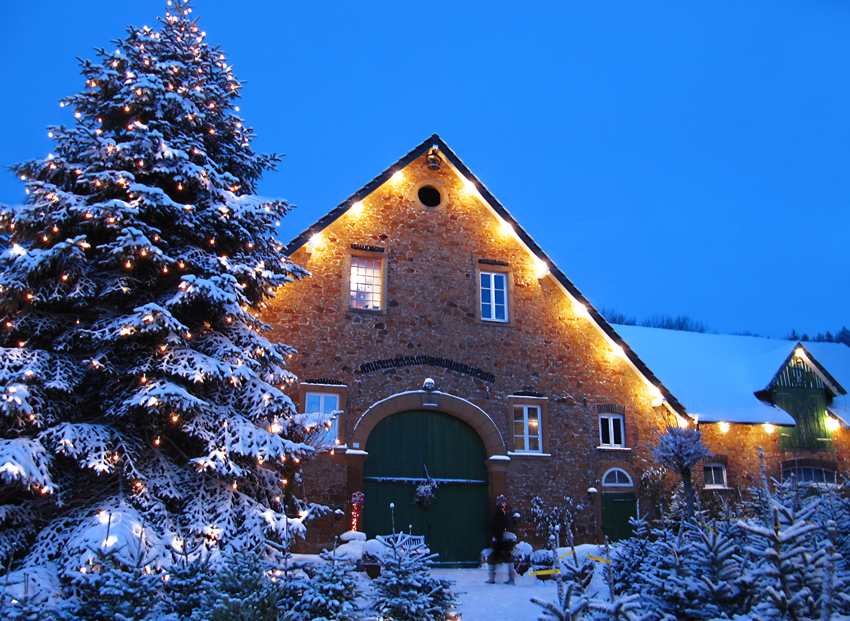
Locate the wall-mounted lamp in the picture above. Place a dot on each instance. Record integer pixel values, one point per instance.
(311, 245)
(434, 160)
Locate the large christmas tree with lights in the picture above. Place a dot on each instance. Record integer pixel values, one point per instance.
(142, 406)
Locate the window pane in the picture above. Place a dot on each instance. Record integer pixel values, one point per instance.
(331, 403)
(519, 413)
(617, 423)
(533, 444)
(365, 283)
(519, 429)
(485, 281)
(605, 431)
(499, 282)
(314, 403)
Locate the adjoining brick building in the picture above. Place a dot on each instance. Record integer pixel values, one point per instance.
(423, 275)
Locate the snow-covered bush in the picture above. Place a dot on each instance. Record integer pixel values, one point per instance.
(135, 377)
(522, 552)
(543, 558)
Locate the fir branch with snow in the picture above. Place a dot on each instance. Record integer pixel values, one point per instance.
(136, 378)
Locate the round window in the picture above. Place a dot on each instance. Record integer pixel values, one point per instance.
(429, 196)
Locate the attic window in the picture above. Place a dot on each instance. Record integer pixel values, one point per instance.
(429, 196)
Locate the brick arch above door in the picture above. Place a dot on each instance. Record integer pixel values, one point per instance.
(470, 413)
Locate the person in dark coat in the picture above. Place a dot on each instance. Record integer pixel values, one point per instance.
(502, 541)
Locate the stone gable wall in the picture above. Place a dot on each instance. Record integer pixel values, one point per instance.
(549, 348)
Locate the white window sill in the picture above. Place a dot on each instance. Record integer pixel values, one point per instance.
(718, 488)
(614, 448)
(528, 454)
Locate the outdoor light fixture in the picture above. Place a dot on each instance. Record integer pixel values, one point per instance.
(769, 428)
(831, 423)
(428, 384)
(724, 427)
(434, 160)
(311, 245)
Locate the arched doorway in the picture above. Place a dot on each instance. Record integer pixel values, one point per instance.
(619, 503)
(399, 448)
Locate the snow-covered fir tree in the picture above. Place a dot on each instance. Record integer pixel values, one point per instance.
(245, 588)
(138, 391)
(680, 450)
(405, 590)
(330, 593)
(109, 590)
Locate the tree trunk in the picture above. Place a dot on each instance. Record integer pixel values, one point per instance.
(689, 491)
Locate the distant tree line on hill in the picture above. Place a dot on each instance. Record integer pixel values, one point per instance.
(842, 336)
(666, 322)
(689, 324)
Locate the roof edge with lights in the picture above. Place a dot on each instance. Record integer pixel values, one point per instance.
(496, 206)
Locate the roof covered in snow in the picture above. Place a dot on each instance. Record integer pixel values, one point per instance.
(716, 376)
(835, 360)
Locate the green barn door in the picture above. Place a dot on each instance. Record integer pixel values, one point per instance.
(400, 447)
(617, 508)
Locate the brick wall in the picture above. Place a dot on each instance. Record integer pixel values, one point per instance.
(431, 310)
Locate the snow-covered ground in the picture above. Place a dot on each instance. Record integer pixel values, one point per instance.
(480, 601)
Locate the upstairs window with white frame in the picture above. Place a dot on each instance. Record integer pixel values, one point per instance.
(494, 296)
(318, 408)
(611, 431)
(714, 475)
(366, 283)
(527, 433)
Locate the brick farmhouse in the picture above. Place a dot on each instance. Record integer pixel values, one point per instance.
(457, 355)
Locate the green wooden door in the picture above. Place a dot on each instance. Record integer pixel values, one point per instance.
(400, 447)
(617, 508)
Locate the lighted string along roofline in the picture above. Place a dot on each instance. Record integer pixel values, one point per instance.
(658, 395)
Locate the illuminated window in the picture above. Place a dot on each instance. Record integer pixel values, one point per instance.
(617, 477)
(527, 429)
(366, 283)
(714, 475)
(611, 431)
(318, 408)
(494, 296)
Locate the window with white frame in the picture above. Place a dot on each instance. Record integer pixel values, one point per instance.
(611, 431)
(366, 283)
(494, 296)
(318, 407)
(617, 477)
(527, 429)
(714, 475)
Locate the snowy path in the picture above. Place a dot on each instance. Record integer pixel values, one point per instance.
(480, 601)
(487, 602)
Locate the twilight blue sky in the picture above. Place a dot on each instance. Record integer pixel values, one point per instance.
(671, 157)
